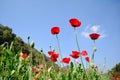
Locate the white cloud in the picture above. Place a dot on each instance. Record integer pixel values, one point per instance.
(87, 27)
(92, 29)
(102, 36)
(95, 28)
(85, 34)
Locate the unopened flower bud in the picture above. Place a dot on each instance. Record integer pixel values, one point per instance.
(32, 44)
(41, 50)
(95, 49)
(28, 37)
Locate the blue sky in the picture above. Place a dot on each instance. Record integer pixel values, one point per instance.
(35, 18)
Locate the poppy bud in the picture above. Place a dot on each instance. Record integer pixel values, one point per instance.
(28, 37)
(94, 49)
(32, 44)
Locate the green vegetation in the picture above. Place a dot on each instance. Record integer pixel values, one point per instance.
(8, 38)
(114, 73)
(20, 61)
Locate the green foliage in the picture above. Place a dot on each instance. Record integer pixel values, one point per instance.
(18, 44)
(115, 70)
(14, 67)
(6, 34)
(7, 60)
(7, 38)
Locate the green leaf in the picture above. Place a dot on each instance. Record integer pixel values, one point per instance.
(71, 67)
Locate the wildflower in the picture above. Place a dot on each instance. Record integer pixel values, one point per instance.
(51, 52)
(115, 77)
(24, 55)
(53, 59)
(55, 30)
(34, 69)
(84, 53)
(87, 59)
(66, 60)
(94, 36)
(74, 22)
(75, 54)
(41, 66)
(53, 56)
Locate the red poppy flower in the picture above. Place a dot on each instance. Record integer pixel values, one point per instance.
(55, 30)
(51, 52)
(34, 69)
(94, 36)
(53, 56)
(87, 59)
(53, 59)
(24, 55)
(75, 54)
(74, 22)
(84, 53)
(66, 60)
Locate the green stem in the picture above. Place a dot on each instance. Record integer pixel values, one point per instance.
(30, 64)
(93, 57)
(78, 46)
(30, 73)
(93, 51)
(76, 39)
(79, 49)
(59, 48)
(58, 45)
(28, 40)
(30, 67)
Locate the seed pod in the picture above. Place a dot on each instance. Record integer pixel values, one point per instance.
(95, 49)
(32, 44)
(28, 37)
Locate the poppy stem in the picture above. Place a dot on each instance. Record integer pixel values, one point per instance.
(28, 40)
(31, 60)
(79, 50)
(94, 49)
(76, 39)
(59, 47)
(50, 48)
(93, 57)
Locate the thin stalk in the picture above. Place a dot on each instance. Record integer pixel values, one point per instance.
(76, 39)
(94, 47)
(93, 57)
(30, 73)
(44, 62)
(59, 48)
(28, 40)
(30, 67)
(30, 58)
(78, 46)
(79, 50)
